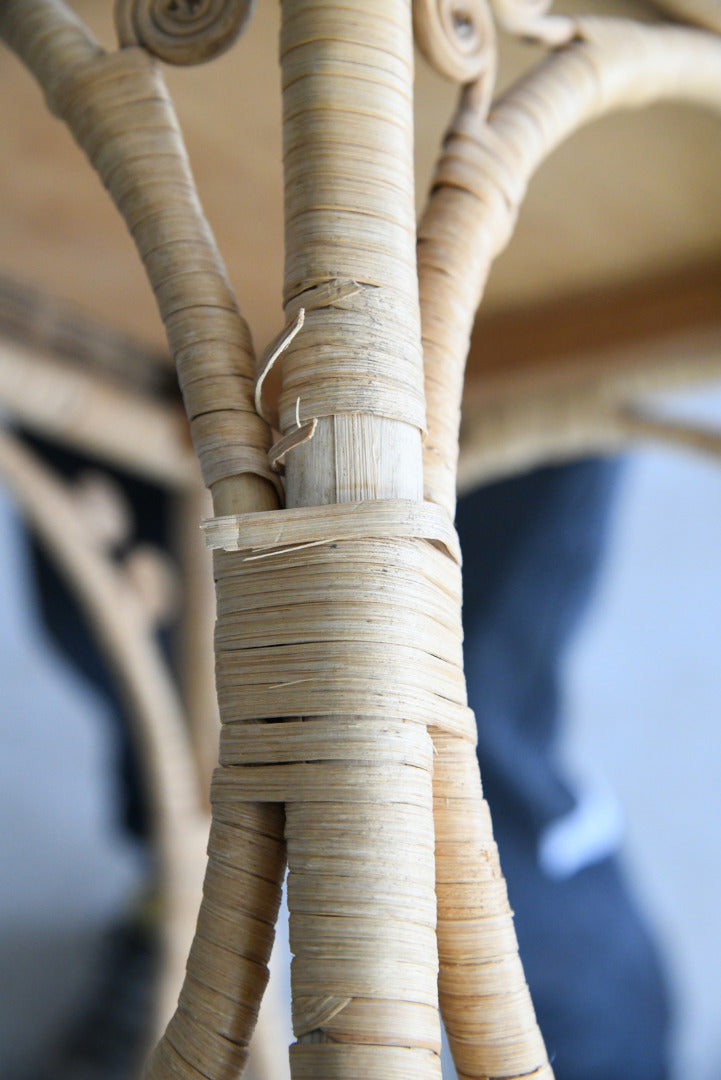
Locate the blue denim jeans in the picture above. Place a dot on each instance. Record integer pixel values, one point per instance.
(531, 549)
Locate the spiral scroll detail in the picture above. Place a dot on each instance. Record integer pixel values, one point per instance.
(181, 31)
(456, 37)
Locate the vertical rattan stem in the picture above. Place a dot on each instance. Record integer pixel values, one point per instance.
(362, 911)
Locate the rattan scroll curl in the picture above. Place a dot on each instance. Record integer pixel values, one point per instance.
(456, 37)
(182, 31)
(530, 19)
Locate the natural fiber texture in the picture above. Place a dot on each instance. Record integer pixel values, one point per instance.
(352, 221)
(388, 616)
(456, 37)
(184, 32)
(399, 662)
(479, 185)
(338, 639)
(315, 611)
(325, 388)
(118, 109)
(483, 175)
(391, 671)
(306, 526)
(348, 638)
(362, 1063)
(484, 998)
(355, 773)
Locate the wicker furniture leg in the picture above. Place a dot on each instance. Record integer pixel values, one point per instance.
(364, 968)
(118, 109)
(480, 182)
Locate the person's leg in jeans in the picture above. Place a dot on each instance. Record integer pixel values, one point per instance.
(531, 549)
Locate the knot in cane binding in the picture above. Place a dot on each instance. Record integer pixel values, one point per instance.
(529, 19)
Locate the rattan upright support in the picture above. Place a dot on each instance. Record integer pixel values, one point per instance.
(338, 639)
(360, 839)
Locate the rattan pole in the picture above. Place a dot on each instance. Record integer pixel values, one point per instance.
(360, 887)
(483, 995)
(480, 182)
(119, 111)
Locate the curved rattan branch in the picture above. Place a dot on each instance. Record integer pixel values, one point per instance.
(485, 169)
(480, 183)
(158, 725)
(118, 109)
